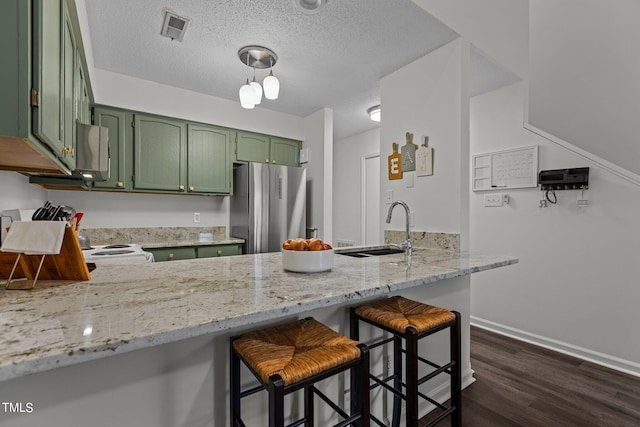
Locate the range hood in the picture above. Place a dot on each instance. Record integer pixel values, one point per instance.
(92, 153)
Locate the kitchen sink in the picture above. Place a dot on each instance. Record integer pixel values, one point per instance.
(369, 252)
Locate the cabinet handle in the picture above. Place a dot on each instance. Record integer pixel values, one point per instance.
(120, 184)
(267, 160)
(170, 256)
(181, 187)
(191, 188)
(219, 252)
(273, 161)
(67, 149)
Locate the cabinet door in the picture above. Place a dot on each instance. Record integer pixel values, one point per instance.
(252, 147)
(81, 96)
(160, 151)
(218, 250)
(172, 254)
(48, 118)
(285, 152)
(115, 121)
(69, 92)
(209, 162)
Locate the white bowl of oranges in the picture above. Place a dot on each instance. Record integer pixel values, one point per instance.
(307, 255)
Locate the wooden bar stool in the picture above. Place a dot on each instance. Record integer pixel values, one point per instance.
(411, 321)
(294, 356)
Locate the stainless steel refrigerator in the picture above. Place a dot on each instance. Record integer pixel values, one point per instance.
(268, 205)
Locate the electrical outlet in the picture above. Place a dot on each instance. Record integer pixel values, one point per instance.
(196, 217)
(494, 199)
(388, 197)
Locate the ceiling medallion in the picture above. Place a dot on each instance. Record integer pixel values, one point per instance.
(310, 6)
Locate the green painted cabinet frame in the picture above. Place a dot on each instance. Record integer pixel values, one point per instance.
(255, 147)
(160, 153)
(116, 121)
(208, 159)
(40, 80)
(175, 253)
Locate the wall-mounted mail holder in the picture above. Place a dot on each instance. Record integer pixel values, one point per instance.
(564, 179)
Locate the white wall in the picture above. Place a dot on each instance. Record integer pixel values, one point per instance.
(128, 210)
(500, 28)
(584, 76)
(318, 128)
(17, 193)
(575, 288)
(347, 174)
(426, 98)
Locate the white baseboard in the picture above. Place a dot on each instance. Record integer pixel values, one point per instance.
(609, 361)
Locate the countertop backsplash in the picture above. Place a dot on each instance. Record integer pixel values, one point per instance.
(424, 239)
(152, 235)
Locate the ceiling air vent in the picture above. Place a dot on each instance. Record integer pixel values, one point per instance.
(174, 26)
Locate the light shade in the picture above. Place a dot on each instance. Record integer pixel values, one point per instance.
(247, 95)
(271, 86)
(258, 90)
(374, 113)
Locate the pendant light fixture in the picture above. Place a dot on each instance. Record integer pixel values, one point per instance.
(261, 58)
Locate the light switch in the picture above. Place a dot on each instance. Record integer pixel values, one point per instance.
(408, 179)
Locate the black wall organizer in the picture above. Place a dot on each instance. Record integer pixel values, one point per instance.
(564, 179)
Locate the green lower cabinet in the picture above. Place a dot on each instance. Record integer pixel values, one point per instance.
(218, 250)
(190, 252)
(172, 254)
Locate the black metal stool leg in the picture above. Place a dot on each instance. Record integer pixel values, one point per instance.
(360, 388)
(411, 369)
(276, 401)
(397, 381)
(456, 372)
(308, 406)
(235, 388)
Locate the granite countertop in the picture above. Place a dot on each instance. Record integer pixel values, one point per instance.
(124, 309)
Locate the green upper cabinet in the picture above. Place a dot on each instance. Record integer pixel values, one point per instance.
(285, 151)
(114, 120)
(48, 78)
(254, 147)
(44, 86)
(209, 159)
(69, 92)
(160, 152)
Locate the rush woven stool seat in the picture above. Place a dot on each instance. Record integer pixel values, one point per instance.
(295, 356)
(410, 321)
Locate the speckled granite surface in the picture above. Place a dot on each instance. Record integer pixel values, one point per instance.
(423, 239)
(123, 308)
(153, 235)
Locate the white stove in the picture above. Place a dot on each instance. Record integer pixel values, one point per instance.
(128, 253)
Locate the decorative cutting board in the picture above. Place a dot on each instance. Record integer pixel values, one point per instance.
(424, 159)
(395, 163)
(408, 152)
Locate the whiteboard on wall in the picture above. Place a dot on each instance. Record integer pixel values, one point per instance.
(513, 168)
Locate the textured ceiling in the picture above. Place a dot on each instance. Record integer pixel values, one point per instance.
(334, 58)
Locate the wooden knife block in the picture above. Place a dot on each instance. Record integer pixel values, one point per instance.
(68, 265)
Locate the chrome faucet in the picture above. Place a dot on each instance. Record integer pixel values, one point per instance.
(406, 245)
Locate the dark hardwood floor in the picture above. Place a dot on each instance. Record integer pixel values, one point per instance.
(519, 384)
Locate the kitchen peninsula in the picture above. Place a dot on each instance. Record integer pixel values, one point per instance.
(156, 337)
